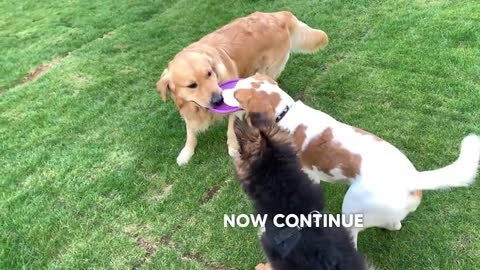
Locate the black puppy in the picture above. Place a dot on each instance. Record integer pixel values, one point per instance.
(271, 175)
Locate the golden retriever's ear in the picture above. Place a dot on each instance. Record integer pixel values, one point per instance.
(215, 68)
(164, 84)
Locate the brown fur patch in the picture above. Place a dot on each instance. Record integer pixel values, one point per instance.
(256, 85)
(243, 95)
(273, 98)
(325, 154)
(299, 136)
(258, 101)
(363, 132)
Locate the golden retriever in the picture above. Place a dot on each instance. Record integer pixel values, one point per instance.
(259, 42)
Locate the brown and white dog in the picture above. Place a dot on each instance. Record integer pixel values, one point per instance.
(384, 184)
(260, 42)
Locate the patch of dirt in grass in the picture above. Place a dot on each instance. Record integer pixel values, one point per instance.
(149, 249)
(210, 194)
(148, 246)
(198, 258)
(39, 71)
(167, 241)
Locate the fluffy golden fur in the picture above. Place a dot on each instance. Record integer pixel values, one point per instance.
(259, 42)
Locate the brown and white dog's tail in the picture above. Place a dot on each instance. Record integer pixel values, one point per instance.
(303, 38)
(460, 173)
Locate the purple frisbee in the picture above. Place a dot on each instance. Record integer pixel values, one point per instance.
(225, 108)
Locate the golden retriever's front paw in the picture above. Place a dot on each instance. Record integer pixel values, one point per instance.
(233, 152)
(262, 266)
(184, 156)
(233, 147)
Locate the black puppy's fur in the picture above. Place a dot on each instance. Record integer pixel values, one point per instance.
(270, 173)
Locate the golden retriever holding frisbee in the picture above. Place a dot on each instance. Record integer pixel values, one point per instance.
(259, 42)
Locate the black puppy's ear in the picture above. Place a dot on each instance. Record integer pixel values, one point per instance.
(243, 131)
(273, 134)
(239, 126)
(248, 138)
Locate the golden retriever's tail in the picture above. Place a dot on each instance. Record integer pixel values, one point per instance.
(303, 38)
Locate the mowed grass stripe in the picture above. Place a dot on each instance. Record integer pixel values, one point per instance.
(36, 32)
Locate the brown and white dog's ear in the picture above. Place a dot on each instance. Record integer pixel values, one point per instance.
(243, 96)
(164, 84)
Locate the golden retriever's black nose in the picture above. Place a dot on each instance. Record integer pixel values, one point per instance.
(216, 99)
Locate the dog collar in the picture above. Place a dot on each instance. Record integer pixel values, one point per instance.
(282, 114)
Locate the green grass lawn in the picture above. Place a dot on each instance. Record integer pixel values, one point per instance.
(88, 177)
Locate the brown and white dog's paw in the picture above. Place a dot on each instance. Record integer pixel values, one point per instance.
(394, 226)
(184, 156)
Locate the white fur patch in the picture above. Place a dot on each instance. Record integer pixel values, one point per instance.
(317, 175)
(229, 98)
(337, 174)
(184, 156)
